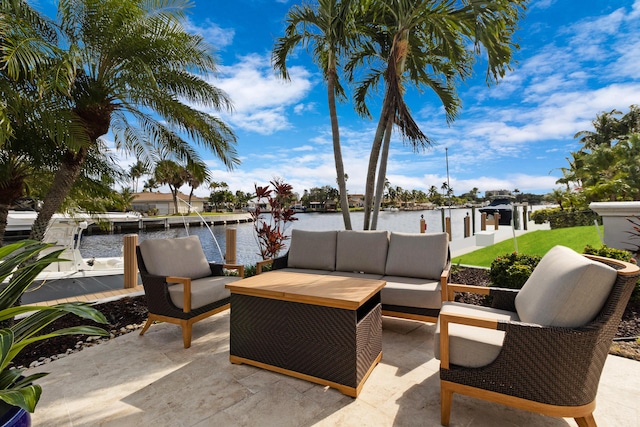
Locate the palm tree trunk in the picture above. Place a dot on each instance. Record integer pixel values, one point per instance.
(189, 205)
(174, 193)
(62, 182)
(4, 214)
(337, 152)
(382, 174)
(373, 162)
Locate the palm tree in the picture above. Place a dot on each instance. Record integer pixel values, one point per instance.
(150, 184)
(607, 128)
(136, 172)
(172, 174)
(426, 44)
(326, 29)
(133, 61)
(195, 175)
(34, 115)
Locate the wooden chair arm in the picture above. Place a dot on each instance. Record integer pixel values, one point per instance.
(238, 267)
(263, 263)
(444, 280)
(457, 287)
(447, 318)
(186, 282)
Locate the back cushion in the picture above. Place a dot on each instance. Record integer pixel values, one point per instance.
(362, 251)
(417, 255)
(182, 257)
(313, 249)
(566, 289)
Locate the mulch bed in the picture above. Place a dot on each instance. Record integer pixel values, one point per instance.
(128, 314)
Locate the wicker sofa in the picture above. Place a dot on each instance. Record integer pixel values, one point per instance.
(415, 266)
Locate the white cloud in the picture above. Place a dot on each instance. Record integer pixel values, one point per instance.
(304, 108)
(215, 35)
(260, 98)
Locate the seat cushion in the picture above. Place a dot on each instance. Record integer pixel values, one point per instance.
(565, 289)
(362, 251)
(203, 291)
(182, 257)
(411, 292)
(304, 270)
(315, 250)
(417, 255)
(472, 346)
(368, 276)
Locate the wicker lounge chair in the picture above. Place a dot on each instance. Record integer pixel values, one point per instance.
(542, 348)
(181, 286)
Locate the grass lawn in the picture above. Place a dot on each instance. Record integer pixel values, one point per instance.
(534, 243)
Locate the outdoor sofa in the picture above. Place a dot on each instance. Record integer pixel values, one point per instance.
(414, 266)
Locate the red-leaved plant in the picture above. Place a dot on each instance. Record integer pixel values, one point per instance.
(271, 228)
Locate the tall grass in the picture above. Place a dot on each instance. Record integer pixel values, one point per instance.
(534, 243)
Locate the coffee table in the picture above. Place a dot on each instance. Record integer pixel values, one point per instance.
(321, 328)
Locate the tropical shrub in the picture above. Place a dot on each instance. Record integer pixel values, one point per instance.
(19, 265)
(619, 254)
(512, 270)
(271, 226)
(605, 251)
(634, 233)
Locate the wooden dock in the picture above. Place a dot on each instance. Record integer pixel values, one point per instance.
(155, 223)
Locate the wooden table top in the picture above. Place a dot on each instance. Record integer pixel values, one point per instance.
(329, 291)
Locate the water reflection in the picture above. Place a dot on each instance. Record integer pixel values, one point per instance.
(106, 245)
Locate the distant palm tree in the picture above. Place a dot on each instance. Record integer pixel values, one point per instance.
(172, 174)
(196, 174)
(136, 172)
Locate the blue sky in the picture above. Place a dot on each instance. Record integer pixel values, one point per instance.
(577, 59)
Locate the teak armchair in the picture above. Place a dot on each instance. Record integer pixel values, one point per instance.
(541, 348)
(181, 286)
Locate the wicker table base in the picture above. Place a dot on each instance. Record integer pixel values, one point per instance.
(336, 347)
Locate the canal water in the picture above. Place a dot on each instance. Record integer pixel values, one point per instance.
(110, 245)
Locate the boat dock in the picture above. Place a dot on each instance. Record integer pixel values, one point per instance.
(154, 223)
(123, 224)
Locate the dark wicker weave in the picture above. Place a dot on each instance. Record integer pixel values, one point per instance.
(332, 344)
(550, 365)
(416, 313)
(159, 302)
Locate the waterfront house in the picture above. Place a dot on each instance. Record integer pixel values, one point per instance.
(162, 203)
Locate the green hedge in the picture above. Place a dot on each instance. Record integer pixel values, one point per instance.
(512, 270)
(558, 218)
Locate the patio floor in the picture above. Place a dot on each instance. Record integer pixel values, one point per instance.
(152, 380)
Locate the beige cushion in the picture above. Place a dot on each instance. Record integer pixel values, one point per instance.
(314, 250)
(203, 291)
(417, 255)
(411, 292)
(472, 346)
(304, 270)
(182, 257)
(565, 289)
(363, 251)
(368, 276)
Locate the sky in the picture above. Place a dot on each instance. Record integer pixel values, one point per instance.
(577, 59)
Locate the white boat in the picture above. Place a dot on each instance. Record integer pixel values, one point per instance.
(65, 232)
(23, 220)
(76, 276)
